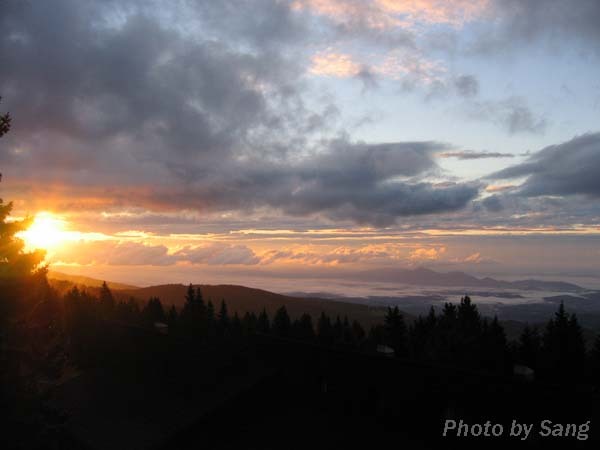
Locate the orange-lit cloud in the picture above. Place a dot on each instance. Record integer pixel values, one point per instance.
(427, 254)
(383, 14)
(334, 64)
(406, 65)
(499, 187)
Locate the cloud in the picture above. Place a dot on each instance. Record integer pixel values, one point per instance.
(569, 168)
(372, 253)
(469, 154)
(109, 252)
(466, 86)
(529, 20)
(513, 114)
(334, 65)
(126, 110)
(218, 254)
(427, 254)
(385, 14)
(492, 203)
(500, 187)
(133, 253)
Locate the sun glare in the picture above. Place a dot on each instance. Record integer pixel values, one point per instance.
(46, 232)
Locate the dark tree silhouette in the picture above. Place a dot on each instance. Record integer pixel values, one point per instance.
(281, 323)
(154, 312)
(107, 301)
(325, 332)
(358, 332)
(263, 325)
(493, 354)
(223, 319)
(249, 324)
(172, 318)
(303, 328)
(563, 348)
(528, 347)
(422, 337)
(236, 329)
(395, 332)
(4, 123)
(594, 362)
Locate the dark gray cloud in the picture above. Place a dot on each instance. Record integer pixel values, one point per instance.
(569, 168)
(470, 154)
(466, 86)
(198, 105)
(131, 253)
(548, 19)
(513, 114)
(492, 203)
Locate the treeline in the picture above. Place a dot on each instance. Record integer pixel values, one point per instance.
(457, 336)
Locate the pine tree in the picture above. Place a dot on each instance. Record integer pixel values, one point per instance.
(395, 332)
(249, 324)
(563, 348)
(528, 348)
(325, 332)
(23, 281)
(172, 319)
(5, 120)
(236, 329)
(107, 301)
(263, 325)
(358, 331)
(303, 328)
(281, 323)
(154, 312)
(595, 362)
(211, 323)
(199, 298)
(223, 319)
(493, 354)
(190, 296)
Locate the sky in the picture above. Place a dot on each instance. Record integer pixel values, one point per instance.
(203, 141)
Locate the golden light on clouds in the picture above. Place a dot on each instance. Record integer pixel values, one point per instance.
(46, 232)
(385, 14)
(334, 65)
(50, 231)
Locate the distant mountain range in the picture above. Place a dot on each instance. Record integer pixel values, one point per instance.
(426, 277)
(86, 281)
(239, 299)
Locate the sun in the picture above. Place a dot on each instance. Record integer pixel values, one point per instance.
(46, 232)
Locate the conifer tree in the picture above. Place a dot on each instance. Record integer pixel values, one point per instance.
(199, 298)
(563, 348)
(5, 120)
(249, 323)
(494, 352)
(325, 331)
(190, 296)
(303, 328)
(154, 312)
(236, 329)
(22, 278)
(594, 364)
(281, 323)
(395, 332)
(263, 325)
(528, 348)
(172, 319)
(223, 320)
(107, 301)
(338, 330)
(358, 331)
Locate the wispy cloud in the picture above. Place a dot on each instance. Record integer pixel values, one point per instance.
(470, 154)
